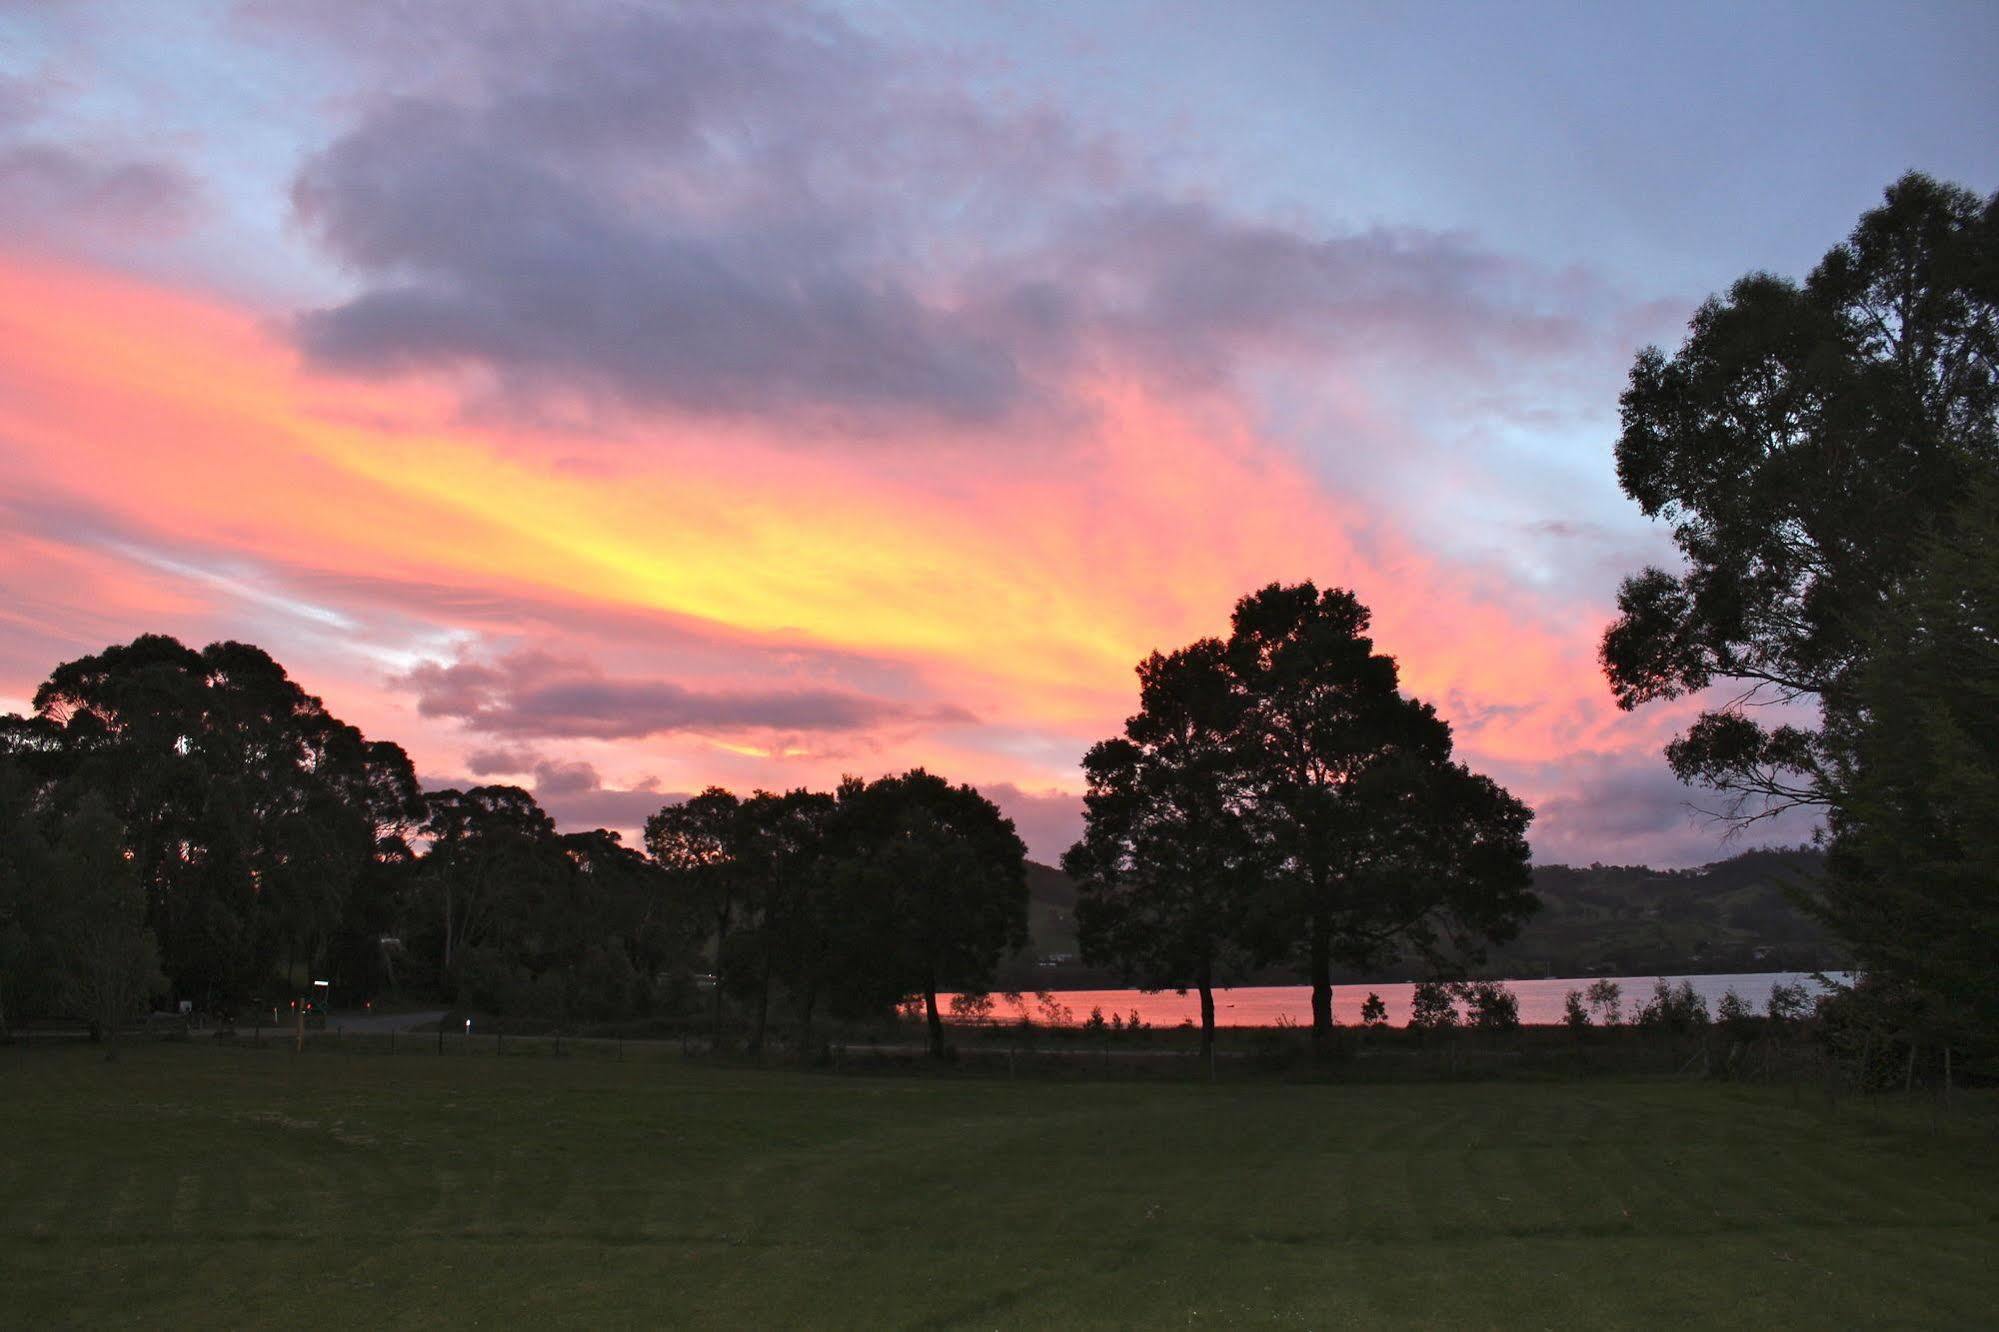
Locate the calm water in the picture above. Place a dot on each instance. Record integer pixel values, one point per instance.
(1266, 1005)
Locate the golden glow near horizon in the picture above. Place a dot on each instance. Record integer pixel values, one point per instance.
(964, 573)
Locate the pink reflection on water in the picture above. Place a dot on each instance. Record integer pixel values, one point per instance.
(1541, 1001)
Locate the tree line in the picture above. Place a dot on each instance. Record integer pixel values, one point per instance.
(191, 823)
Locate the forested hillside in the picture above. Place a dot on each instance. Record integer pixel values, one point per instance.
(1624, 920)
(1628, 920)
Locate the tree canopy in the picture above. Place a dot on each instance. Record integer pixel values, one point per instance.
(1827, 454)
(1278, 795)
(1382, 846)
(944, 875)
(1168, 866)
(1801, 443)
(249, 811)
(1914, 866)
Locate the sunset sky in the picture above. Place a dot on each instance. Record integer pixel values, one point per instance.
(622, 399)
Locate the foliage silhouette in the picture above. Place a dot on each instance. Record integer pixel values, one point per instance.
(1167, 871)
(1377, 844)
(1828, 457)
(1801, 443)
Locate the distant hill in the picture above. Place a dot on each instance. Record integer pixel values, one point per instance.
(1595, 920)
(1733, 915)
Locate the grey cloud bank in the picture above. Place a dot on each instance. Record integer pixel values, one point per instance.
(533, 694)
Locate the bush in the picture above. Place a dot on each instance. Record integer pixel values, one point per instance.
(1736, 1016)
(488, 980)
(1789, 1002)
(971, 1007)
(1434, 1006)
(606, 985)
(1491, 1006)
(1373, 1013)
(1605, 999)
(1574, 1011)
(1674, 1008)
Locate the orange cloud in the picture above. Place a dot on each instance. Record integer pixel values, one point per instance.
(1019, 584)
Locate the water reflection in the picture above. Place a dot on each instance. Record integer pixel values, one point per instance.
(1274, 1005)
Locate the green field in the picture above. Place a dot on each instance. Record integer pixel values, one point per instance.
(189, 1185)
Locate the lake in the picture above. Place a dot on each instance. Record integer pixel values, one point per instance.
(1541, 1001)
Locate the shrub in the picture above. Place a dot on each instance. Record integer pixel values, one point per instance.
(1373, 1013)
(1574, 1012)
(972, 1007)
(1491, 1006)
(1606, 999)
(1674, 1008)
(1734, 1013)
(1434, 1006)
(1789, 1002)
(606, 985)
(488, 980)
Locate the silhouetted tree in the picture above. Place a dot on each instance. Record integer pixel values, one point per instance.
(944, 872)
(492, 852)
(1377, 844)
(248, 810)
(1167, 869)
(1801, 443)
(27, 969)
(697, 843)
(1913, 879)
(781, 844)
(109, 962)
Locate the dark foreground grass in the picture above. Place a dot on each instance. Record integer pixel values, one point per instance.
(189, 1186)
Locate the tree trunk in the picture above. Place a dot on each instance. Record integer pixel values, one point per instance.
(763, 1010)
(447, 927)
(806, 1004)
(1208, 1017)
(721, 946)
(1322, 985)
(936, 1022)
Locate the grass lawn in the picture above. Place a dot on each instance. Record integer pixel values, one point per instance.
(189, 1185)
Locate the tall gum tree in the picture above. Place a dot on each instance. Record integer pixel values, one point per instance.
(1801, 444)
(697, 844)
(249, 811)
(1376, 844)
